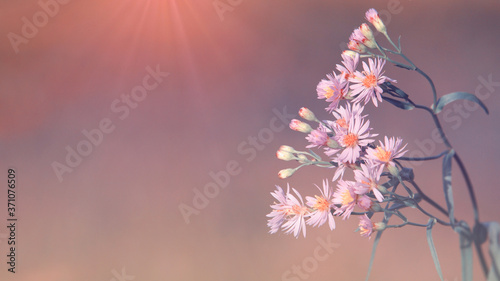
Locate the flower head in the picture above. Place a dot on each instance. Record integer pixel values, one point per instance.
(350, 61)
(365, 226)
(289, 213)
(333, 90)
(385, 153)
(296, 213)
(368, 180)
(366, 84)
(356, 136)
(322, 207)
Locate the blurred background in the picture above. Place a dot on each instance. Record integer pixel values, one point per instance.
(219, 73)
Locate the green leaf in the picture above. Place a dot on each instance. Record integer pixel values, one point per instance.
(446, 99)
(400, 104)
(494, 249)
(448, 192)
(465, 252)
(430, 224)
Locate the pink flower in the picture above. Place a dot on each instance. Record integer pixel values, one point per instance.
(322, 206)
(356, 136)
(365, 226)
(325, 88)
(368, 180)
(296, 213)
(345, 197)
(289, 213)
(386, 152)
(344, 116)
(350, 63)
(278, 214)
(366, 83)
(372, 16)
(333, 90)
(348, 199)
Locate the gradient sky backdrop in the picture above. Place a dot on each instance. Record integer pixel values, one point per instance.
(120, 207)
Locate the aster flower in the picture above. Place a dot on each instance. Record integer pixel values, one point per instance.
(278, 214)
(368, 180)
(356, 136)
(346, 196)
(322, 206)
(350, 61)
(333, 90)
(366, 84)
(386, 152)
(296, 214)
(289, 213)
(344, 116)
(365, 226)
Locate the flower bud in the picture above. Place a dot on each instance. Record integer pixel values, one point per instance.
(367, 32)
(300, 126)
(307, 114)
(356, 46)
(302, 158)
(393, 170)
(373, 17)
(332, 143)
(285, 173)
(284, 155)
(379, 226)
(349, 53)
(287, 148)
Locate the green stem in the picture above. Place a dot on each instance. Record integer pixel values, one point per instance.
(423, 158)
(430, 82)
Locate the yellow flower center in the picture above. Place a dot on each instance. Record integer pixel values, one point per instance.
(298, 210)
(321, 204)
(351, 140)
(382, 155)
(369, 81)
(346, 198)
(363, 231)
(328, 92)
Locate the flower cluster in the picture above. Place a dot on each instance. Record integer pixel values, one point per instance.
(347, 141)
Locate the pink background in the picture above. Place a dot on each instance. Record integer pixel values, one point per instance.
(120, 207)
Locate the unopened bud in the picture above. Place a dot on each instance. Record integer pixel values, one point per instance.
(284, 155)
(379, 226)
(356, 46)
(302, 158)
(307, 114)
(373, 17)
(285, 173)
(393, 170)
(332, 143)
(300, 126)
(349, 53)
(367, 32)
(287, 148)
